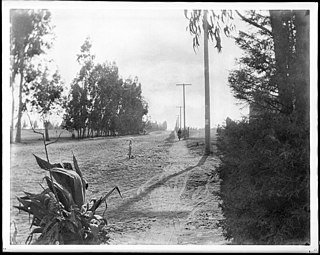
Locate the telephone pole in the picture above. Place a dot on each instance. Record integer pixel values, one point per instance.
(177, 123)
(207, 86)
(184, 108)
(180, 116)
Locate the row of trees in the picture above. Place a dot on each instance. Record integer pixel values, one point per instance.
(265, 162)
(27, 124)
(156, 126)
(100, 102)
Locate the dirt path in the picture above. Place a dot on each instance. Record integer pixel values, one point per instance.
(167, 195)
(174, 207)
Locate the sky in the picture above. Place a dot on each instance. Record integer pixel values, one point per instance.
(154, 45)
(149, 41)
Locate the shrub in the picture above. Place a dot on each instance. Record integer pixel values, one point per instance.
(60, 213)
(265, 180)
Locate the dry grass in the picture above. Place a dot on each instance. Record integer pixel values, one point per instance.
(103, 161)
(167, 197)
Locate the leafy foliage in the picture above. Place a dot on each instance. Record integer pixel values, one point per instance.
(254, 79)
(265, 161)
(215, 21)
(60, 213)
(30, 35)
(101, 103)
(265, 180)
(43, 91)
(272, 75)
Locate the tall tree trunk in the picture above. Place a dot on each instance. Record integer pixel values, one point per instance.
(12, 108)
(18, 134)
(282, 52)
(302, 70)
(82, 134)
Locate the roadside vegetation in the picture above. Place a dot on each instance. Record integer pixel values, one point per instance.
(265, 164)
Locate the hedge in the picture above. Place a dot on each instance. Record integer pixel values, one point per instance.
(264, 174)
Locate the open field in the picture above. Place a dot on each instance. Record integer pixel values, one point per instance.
(165, 187)
(28, 136)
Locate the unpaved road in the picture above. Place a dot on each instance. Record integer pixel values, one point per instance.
(168, 197)
(176, 206)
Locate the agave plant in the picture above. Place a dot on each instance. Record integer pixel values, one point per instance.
(60, 213)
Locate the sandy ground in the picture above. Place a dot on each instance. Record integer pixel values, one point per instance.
(168, 197)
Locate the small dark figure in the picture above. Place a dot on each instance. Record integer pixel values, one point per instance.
(130, 150)
(179, 134)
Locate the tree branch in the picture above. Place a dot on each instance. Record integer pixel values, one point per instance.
(253, 23)
(37, 132)
(57, 139)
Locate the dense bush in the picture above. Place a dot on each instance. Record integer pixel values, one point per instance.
(265, 180)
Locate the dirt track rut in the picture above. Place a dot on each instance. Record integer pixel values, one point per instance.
(167, 195)
(174, 207)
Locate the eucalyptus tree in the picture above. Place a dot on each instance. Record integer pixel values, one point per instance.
(43, 90)
(30, 35)
(79, 103)
(105, 96)
(132, 107)
(72, 106)
(100, 102)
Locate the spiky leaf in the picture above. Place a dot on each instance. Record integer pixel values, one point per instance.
(97, 203)
(76, 166)
(43, 163)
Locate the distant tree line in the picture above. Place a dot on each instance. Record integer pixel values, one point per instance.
(155, 126)
(101, 103)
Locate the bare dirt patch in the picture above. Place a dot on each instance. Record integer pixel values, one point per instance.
(168, 197)
(177, 206)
